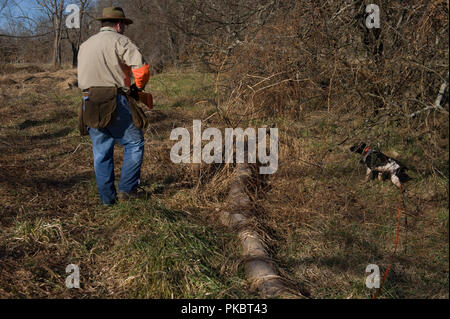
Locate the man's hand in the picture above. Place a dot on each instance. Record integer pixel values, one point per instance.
(134, 91)
(141, 75)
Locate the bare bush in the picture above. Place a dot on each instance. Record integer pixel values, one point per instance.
(320, 56)
(320, 51)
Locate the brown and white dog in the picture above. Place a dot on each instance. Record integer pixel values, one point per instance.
(378, 162)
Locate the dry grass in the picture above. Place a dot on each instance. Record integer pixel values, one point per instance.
(334, 224)
(323, 225)
(315, 72)
(51, 217)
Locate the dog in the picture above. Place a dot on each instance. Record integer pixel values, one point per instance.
(377, 162)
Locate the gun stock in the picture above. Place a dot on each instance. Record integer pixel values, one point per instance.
(146, 98)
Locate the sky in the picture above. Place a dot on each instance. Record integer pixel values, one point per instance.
(18, 8)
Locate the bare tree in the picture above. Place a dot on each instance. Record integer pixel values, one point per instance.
(3, 5)
(153, 30)
(75, 37)
(54, 10)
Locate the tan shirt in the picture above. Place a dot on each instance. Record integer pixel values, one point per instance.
(105, 60)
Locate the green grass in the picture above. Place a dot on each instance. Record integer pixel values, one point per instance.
(180, 88)
(173, 256)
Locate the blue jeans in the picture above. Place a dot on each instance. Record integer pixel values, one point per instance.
(123, 131)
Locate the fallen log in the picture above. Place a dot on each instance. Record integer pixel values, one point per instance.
(260, 270)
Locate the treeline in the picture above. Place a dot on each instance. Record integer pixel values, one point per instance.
(274, 56)
(283, 57)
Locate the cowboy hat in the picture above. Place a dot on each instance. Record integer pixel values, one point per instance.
(114, 13)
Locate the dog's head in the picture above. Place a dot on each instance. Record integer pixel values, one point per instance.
(358, 148)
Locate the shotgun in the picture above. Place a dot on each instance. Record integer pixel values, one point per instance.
(141, 96)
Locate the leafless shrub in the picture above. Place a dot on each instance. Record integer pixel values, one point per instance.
(311, 56)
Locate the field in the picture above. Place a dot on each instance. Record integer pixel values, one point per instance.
(322, 223)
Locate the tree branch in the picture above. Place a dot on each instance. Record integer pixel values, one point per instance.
(26, 36)
(437, 102)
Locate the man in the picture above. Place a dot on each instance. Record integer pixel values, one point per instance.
(105, 62)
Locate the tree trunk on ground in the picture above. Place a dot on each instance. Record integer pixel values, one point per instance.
(260, 269)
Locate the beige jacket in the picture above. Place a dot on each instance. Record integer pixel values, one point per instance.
(106, 59)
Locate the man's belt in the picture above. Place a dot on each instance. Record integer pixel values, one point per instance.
(119, 91)
(143, 97)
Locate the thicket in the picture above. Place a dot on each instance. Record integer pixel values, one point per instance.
(282, 58)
